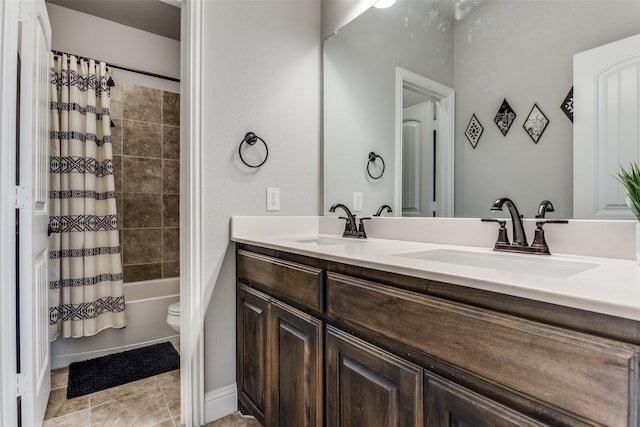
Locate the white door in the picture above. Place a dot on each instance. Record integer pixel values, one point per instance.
(411, 171)
(606, 126)
(418, 161)
(34, 214)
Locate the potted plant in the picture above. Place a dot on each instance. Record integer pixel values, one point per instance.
(630, 180)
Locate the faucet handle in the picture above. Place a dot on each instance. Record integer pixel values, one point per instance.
(348, 226)
(361, 231)
(539, 242)
(503, 239)
(551, 221)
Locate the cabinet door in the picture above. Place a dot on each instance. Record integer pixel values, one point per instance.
(368, 387)
(295, 368)
(251, 341)
(449, 405)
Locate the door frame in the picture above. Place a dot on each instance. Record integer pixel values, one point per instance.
(191, 284)
(445, 105)
(191, 281)
(8, 97)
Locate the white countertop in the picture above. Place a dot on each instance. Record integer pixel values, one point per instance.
(611, 286)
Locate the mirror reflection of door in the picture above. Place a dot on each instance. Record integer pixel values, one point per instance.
(418, 155)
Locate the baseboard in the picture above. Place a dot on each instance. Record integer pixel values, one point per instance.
(220, 403)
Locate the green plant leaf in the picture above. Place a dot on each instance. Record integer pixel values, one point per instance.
(630, 180)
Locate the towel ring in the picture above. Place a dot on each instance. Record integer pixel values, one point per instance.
(251, 139)
(372, 158)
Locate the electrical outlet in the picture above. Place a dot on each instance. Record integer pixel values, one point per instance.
(273, 199)
(357, 202)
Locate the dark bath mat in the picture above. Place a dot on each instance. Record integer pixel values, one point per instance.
(113, 370)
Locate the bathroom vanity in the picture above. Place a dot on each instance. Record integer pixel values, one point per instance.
(338, 333)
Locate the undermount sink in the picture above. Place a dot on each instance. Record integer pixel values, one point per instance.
(520, 264)
(326, 241)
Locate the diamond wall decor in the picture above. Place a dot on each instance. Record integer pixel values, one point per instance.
(535, 123)
(567, 105)
(505, 117)
(474, 131)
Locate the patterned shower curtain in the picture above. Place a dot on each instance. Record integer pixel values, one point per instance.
(86, 293)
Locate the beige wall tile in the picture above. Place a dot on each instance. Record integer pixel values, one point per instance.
(117, 172)
(116, 91)
(170, 269)
(116, 109)
(142, 175)
(142, 246)
(171, 244)
(139, 272)
(116, 136)
(171, 142)
(142, 210)
(142, 139)
(171, 210)
(171, 108)
(142, 103)
(171, 176)
(120, 210)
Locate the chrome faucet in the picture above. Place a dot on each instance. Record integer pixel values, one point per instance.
(381, 208)
(539, 245)
(519, 236)
(351, 227)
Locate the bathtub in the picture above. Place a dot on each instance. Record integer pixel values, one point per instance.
(146, 310)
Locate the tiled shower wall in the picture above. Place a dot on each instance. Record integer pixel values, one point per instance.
(146, 148)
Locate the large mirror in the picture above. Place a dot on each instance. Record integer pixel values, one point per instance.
(520, 51)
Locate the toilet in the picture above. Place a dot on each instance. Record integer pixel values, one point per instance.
(173, 316)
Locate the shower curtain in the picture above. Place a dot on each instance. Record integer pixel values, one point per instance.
(86, 293)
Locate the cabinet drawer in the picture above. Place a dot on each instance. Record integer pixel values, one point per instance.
(593, 378)
(290, 281)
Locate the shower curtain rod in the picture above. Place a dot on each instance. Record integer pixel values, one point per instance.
(120, 67)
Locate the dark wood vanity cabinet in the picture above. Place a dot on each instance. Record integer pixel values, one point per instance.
(279, 361)
(294, 383)
(251, 364)
(327, 344)
(369, 387)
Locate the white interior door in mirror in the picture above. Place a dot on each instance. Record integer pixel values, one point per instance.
(436, 162)
(606, 126)
(417, 160)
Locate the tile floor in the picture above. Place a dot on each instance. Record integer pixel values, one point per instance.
(150, 402)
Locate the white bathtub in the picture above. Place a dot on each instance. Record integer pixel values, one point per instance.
(146, 310)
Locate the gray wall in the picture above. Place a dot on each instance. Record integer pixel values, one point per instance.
(359, 93)
(83, 34)
(523, 51)
(262, 73)
(337, 13)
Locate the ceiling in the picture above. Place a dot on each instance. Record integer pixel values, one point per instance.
(154, 16)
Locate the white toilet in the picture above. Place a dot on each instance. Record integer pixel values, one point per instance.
(173, 316)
